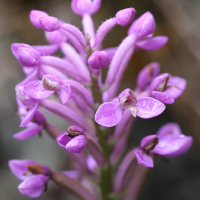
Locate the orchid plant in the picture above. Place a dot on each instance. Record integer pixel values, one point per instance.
(92, 105)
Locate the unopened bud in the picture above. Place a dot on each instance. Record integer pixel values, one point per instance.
(49, 23)
(34, 17)
(98, 60)
(125, 16)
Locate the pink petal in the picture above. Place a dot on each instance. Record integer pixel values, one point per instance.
(63, 139)
(65, 93)
(29, 116)
(162, 97)
(33, 186)
(148, 107)
(77, 144)
(169, 128)
(27, 133)
(179, 82)
(144, 159)
(146, 140)
(109, 114)
(36, 90)
(153, 44)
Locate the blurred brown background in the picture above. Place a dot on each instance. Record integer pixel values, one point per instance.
(179, 20)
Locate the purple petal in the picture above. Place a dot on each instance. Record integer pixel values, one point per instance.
(63, 139)
(77, 144)
(169, 128)
(125, 16)
(109, 114)
(173, 144)
(179, 83)
(29, 116)
(50, 82)
(148, 107)
(146, 140)
(162, 97)
(153, 44)
(65, 93)
(33, 186)
(91, 163)
(36, 90)
(147, 74)
(27, 133)
(18, 167)
(144, 159)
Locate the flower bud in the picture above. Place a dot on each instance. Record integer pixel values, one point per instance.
(28, 57)
(49, 23)
(34, 17)
(15, 47)
(143, 27)
(55, 37)
(147, 74)
(33, 186)
(98, 60)
(125, 16)
(51, 82)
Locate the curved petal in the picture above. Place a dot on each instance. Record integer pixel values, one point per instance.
(153, 44)
(63, 139)
(178, 86)
(169, 128)
(18, 167)
(146, 140)
(144, 159)
(36, 90)
(33, 186)
(27, 133)
(77, 144)
(173, 144)
(148, 107)
(109, 114)
(162, 97)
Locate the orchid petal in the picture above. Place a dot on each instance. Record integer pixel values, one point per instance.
(148, 107)
(144, 159)
(109, 114)
(162, 97)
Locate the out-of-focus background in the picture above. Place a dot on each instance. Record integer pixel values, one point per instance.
(177, 179)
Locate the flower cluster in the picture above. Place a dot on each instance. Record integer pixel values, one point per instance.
(90, 105)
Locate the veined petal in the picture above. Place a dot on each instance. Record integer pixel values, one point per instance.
(153, 44)
(144, 159)
(148, 107)
(109, 114)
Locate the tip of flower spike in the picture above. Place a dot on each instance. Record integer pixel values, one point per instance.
(28, 57)
(144, 26)
(49, 23)
(125, 16)
(34, 17)
(98, 60)
(81, 7)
